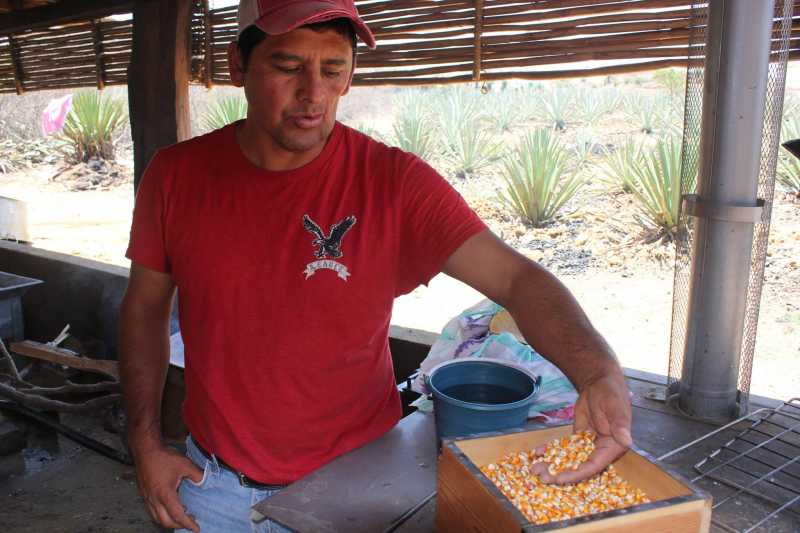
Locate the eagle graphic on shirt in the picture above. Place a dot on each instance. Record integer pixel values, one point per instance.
(329, 245)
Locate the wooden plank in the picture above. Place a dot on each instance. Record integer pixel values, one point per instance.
(61, 13)
(471, 502)
(37, 350)
(158, 78)
(655, 480)
(476, 66)
(98, 54)
(685, 517)
(16, 5)
(208, 45)
(490, 449)
(15, 60)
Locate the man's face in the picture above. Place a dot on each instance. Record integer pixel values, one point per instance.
(293, 83)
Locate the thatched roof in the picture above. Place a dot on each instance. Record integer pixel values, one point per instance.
(420, 42)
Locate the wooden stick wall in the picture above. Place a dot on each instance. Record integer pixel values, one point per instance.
(419, 42)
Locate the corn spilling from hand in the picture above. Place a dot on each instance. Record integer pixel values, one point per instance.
(542, 503)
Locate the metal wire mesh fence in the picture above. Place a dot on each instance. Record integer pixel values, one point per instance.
(690, 158)
(766, 187)
(770, 140)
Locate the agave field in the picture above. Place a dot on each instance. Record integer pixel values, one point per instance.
(578, 175)
(581, 175)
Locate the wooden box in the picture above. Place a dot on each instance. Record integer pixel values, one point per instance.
(468, 501)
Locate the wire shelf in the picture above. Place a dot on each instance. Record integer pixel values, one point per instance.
(754, 477)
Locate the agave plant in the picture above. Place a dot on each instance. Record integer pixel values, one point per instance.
(589, 106)
(657, 185)
(413, 130)
(530, 101)
(471, 149)
(649, 111)
(224, 111)
(788, 172)
(536, 178)
(91, 125)
(610, 99)
(672, 79)
(585, 143)
(791, 105)
(592, 104)
(504, 109)
(556, 106)
(458, 108)
(618, 169)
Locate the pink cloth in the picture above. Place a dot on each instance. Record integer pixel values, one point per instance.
(565, 414)
(55, 114)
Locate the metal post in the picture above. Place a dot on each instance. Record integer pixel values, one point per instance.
(726, 206)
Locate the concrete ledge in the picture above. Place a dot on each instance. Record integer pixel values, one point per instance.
(86, 294)
(81, 292)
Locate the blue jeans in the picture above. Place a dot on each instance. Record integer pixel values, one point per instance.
(219, 503)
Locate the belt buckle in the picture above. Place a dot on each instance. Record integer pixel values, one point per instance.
(243, 481)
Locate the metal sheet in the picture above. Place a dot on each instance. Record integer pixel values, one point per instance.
(367, 489)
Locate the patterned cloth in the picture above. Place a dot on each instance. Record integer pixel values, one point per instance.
(468, 335)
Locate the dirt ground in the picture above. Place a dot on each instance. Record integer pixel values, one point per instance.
(57, 486)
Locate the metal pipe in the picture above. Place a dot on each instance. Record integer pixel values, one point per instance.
(737, 62)
(97, 446)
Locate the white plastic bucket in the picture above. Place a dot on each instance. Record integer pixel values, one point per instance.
(14, 220)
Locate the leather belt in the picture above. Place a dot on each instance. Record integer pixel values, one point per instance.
(243, 479)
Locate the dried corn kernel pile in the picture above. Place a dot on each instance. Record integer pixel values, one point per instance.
(542, 503)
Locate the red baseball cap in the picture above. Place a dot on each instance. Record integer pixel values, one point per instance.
(275, 17)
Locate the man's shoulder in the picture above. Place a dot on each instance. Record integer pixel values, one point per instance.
(196, 150)
(358, 137)
(379, 151)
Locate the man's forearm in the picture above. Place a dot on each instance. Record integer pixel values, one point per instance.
(553, 322)
(144, 359)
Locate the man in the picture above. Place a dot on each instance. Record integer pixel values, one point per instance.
(289, 235)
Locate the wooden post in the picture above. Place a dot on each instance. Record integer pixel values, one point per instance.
(476, 65)
(208, 49)
(98, 54)
(16, 61)
(158, 78)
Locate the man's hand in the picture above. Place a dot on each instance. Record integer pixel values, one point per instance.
(604, 407)
(159, 472)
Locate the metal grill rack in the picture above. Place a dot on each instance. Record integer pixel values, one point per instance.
(754, 477)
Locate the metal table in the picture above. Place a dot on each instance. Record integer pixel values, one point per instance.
(385, 486)
(378, 487)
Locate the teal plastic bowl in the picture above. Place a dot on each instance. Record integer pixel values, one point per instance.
(480, 395)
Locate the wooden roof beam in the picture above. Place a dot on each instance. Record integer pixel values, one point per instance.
(60, 13)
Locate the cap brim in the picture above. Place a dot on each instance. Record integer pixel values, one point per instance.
(286, 19)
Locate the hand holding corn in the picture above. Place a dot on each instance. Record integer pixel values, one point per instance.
(603, 407)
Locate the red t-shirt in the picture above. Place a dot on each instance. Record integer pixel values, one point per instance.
(286, 283)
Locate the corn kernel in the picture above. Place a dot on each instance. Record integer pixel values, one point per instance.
(541, 503)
